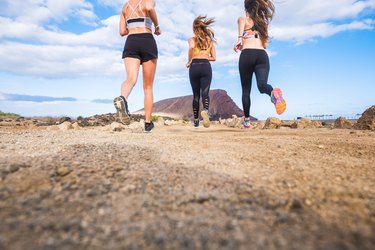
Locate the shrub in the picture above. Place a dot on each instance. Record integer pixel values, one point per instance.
(155, 118)
(9, 114)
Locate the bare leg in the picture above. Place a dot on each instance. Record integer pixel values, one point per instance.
(132, 69)
(149, 69)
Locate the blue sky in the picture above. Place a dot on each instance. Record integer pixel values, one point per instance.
(63, 57)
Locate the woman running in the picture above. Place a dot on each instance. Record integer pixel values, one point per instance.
(201, 52)
(136, 21)
(252, 42)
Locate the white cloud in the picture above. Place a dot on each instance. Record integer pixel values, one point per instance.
(297, 12)
(302, 21)
(51, 52)
(58, 61)
(41, 11)
(301, 34)
(104, 36)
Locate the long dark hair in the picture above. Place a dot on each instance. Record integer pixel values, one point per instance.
(261, 11)
(202, 31)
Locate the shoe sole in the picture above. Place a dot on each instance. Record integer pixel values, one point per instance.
(121, 115)
(246, 127)
(206, 119)
(280, 103)
(149, 131)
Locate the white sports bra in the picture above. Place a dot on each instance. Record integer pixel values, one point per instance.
(138, 21)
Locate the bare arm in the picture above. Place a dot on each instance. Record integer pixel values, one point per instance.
(241, 27)
(150, 6)
(123, 29)
(212, 56)
(265, 44)
(190, 51)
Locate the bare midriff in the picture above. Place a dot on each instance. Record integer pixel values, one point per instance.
(252, 43)
(139, 30)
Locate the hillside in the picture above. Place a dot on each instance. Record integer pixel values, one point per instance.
(221, 106)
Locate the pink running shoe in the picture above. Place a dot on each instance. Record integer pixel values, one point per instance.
(278, 100)
(246, 123)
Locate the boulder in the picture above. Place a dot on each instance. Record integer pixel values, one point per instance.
(302, 123)
(367, 120)
(65, 126)
(343, 123)
(116, 126)
(272, 123)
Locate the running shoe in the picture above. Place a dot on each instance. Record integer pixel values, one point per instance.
(122, 114)
(278, 100)
(206, 118)
(196, 123)
(246, 123)
(149, 126)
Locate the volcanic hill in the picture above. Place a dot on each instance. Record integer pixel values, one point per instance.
(221, 106)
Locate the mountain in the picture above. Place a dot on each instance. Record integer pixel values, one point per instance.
(221, 106)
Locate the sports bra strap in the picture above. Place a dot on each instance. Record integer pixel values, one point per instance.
(135, 9)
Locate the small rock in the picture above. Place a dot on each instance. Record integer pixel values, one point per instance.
(308, 202)
(287, 124)
(12, 168)
(63, 171)
(65, 126)
(202, 197)
(128, 188)
(76, 126)
(282, 218)
(64, 119)
(343, 123)
(117, 127)
(160, 121)
(296, 205)
(272, 123)
(136, 126)
(303, 123)
(169, 123)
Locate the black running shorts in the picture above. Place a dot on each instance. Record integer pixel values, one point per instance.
(141, 46)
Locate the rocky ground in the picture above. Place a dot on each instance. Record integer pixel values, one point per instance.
(101, 187)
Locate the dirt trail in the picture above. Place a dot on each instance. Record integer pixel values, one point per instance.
(180, 188)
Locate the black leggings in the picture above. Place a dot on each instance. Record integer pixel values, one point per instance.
(200, 74)
(253, 60)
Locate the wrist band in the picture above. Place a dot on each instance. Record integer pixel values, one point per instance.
(240, 36)
(157, 26)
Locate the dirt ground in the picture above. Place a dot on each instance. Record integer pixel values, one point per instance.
(180, 188)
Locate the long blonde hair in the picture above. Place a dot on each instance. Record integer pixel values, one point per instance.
(203, 32)
(261, 11)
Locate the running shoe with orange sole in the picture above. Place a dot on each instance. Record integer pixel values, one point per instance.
(279, 101)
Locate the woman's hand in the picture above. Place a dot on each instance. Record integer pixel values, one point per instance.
(188, 64)
(238, 46)
(157, 30)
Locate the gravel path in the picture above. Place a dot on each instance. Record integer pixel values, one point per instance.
(180, 188)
